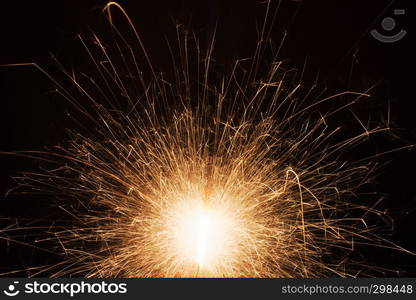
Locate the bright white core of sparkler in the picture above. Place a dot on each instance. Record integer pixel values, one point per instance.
(203, 236)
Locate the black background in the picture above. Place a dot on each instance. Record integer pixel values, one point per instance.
(334, 35)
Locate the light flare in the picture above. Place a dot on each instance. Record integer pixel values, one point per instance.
(202, 237)
(205, 235)
(204, 173)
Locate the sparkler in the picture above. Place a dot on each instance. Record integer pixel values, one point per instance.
(190, 176)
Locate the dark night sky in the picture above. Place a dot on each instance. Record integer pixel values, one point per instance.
(334, 35)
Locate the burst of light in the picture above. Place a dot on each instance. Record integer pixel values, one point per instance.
(246, 182)
(202, 235)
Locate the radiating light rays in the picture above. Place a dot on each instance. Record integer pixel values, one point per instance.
(190, 176)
